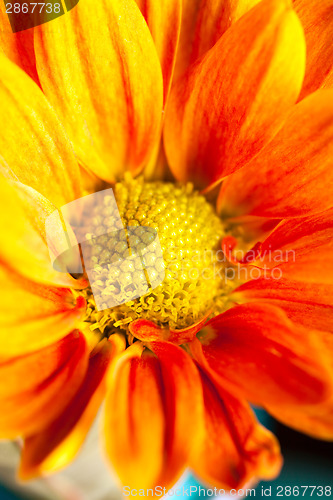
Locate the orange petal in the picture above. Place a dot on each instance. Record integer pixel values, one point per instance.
(309, 304)
(235, 448)
(22, 237)
(103, 76)
(264, 357)
(147, 331)
(54, 447)
(317, 21)
(183, 406)
(229, 105)
(314, 421)
(33, 316)
(135, 423)
(317, 420)
(302, 249)
(18, 47)
(39, 385)
(37, 150)
(163, 19)
(203, 23)
(148, 432)
(292, 176)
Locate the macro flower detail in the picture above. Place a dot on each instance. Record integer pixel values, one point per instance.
(189, 233)
(215, 130)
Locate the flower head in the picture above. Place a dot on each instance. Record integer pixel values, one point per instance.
(239, 192)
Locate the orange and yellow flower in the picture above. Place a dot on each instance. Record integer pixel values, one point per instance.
(240, 92)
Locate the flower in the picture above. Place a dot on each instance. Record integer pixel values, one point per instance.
(87, 97)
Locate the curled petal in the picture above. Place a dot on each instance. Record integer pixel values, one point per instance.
(102, 74)
(230, 104)
(147, 331)
(292, 176)
(38, 386)
(264, 357)
(235, 448)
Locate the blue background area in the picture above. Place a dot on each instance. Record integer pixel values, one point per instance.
(4, 495)
(306, 462)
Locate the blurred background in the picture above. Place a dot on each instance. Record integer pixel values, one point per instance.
(307, 462)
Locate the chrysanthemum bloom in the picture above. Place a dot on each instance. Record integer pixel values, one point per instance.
(227, 85)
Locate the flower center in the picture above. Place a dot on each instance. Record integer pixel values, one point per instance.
(189, 233)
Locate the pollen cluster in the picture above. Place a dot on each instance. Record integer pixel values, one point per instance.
(189, 234)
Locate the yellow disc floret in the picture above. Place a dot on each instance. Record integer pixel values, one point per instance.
(189, 233)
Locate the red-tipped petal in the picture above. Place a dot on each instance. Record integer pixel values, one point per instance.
(230, 104)
(309, 304)
(265, 357)
(316, 420)
(302, 249)
(54, 447)
(203, 23)
(164, 19)
(149, 434)
(292, 176)
(317, 20)
(34, 316)
(235, 448)
(38, 386)
(135, 421)
(183, 403)
(18, 47)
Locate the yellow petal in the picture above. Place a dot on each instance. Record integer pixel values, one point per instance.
(99, 68)
(33, 316)
(164, 19)
(23, 245)
(34, 143)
